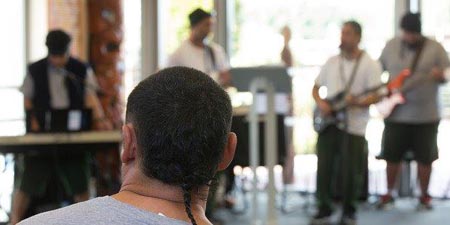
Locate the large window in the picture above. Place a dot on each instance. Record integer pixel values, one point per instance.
(256, 38)
(175, 24)
(132, 46)
(436, 20)
(12, 57)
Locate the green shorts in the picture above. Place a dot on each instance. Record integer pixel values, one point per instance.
(419, 139)
(71, 169)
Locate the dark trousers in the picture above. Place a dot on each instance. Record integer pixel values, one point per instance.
(336, 147)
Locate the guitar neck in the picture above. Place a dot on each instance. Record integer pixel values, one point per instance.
(340, 103)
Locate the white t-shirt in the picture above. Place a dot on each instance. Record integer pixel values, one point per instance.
(367, 76)
(199, 58)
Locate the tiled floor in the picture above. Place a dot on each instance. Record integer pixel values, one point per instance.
(404, 213)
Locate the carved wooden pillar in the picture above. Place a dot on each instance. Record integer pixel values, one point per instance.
(105, 38)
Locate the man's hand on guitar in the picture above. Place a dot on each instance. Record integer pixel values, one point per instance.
(325, 107)
(438, 74)
(352, 100)
(365, 101)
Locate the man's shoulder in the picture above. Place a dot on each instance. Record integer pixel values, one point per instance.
(332, 60)
(182, 49)
(392, 43)
(369, 59)
(37, 64)
(434, 43)
(77, 61)
(100, 211)
(185, 45)
(72, 214)
(216, 47)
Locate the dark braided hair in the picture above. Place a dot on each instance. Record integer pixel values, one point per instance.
(187, 202)
(182, 119)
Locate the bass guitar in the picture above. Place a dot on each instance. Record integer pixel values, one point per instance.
(339, 102)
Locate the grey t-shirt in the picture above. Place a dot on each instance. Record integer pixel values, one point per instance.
(422, 100)
(101, 211)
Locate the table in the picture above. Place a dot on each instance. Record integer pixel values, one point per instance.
(42, 141)
(59, 142)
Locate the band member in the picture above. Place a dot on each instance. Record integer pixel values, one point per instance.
(199, 53)
(352, 72)
(413, 126)
(58, 81)
(286, 54)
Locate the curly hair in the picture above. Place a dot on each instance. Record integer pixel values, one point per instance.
(182, 119)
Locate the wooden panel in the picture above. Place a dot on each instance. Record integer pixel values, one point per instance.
(70, 16)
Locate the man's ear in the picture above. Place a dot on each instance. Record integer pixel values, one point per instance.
(228, 152)
(129, 143)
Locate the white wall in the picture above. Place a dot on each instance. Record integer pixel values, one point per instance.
(37, 12)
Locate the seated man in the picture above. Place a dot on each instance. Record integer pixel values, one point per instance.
(176, 137)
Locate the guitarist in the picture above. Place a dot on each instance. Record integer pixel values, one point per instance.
(351, 72)
(413, 126)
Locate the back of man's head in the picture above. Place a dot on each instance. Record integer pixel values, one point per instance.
(411, 22)
(198, 15)
(182, 119)
(58, 42)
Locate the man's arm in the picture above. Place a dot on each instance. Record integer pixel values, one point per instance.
(28, 93)
(447, 73)
(100, 120)
(225, 78)
(365, 101)
(323, 105)
(28, 105)
(223, 66)
(92, 102)
(439, 71)
(374, 72)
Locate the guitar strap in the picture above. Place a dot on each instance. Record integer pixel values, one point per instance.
(413, 67)
(419, 51)
(353, 74)
(211, 55)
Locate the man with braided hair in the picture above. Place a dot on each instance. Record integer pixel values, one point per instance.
(176, 137)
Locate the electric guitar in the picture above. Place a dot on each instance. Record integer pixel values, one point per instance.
(387, 105)
(339, 102)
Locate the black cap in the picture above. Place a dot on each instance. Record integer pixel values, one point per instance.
(58, 42)
(411, 22)
(197, 16)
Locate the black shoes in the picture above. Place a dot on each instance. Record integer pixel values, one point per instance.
(322, 217)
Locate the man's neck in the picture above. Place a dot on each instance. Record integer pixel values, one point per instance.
(197, 42)
(152, 195)
(419, 42)
(352, 54)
